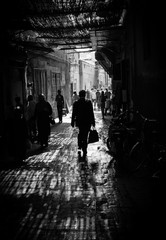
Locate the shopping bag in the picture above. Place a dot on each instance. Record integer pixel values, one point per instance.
(93, 136)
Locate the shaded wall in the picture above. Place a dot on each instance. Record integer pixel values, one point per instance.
(49, 74)
(87, 75)
(146, 51)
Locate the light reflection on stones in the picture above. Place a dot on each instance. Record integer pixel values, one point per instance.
(66, 198)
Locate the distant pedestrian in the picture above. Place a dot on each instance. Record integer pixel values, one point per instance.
(30, 117)
(108, 101)
(60, 105)
(93, 97)
(102, 103)
(88, 95)
(83, 118)
(98, 95)
(75, 97)
(42, 112)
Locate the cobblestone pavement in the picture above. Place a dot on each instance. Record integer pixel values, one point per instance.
(57, 195)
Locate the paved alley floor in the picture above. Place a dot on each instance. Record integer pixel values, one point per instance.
(57, 195)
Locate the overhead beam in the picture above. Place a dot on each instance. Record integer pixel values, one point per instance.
(68, 37)
(84, 51)
(71, 48)
(64, 44)
(84, 26)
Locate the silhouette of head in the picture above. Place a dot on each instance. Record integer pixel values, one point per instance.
(41, 97)
(82, 94)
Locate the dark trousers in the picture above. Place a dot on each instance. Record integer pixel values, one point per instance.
(60, 112)
(43, 126)
(32, 128)
(83, 138)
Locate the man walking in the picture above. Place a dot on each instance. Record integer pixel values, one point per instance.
(30, 117)
(60, 104)
(42, 112)
(83, 118)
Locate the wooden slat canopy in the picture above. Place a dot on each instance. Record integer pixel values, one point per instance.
(64, 24)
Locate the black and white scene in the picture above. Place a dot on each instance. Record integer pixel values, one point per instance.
(82, 120)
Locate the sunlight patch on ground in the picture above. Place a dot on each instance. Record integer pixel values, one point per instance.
(65, 119)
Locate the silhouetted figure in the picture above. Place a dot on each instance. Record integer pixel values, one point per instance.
(83, 118)
(75, 97)
(93, 97)
(60, 105)
(42, 112)
(88, 95)
(30, 117)
(108, 101)
(102, 103)
(98, 95)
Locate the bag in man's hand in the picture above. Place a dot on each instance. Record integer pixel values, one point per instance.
(93, 136)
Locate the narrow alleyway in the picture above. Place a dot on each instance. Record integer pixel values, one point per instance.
(56, 195)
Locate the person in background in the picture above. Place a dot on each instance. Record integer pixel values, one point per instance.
(102, 103)
(93, 97)
(88, 95)
(98, 99)
(75, 97)
(42, 112)
(30, 117)
(83, 118)
(60, 105)
(108, 101)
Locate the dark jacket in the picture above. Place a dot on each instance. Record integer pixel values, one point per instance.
(102, 100)
(83, 115)
(60, 100)
(42, 112)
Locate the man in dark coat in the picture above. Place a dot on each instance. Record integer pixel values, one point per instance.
(83, 118)
(30, 118)
(42, 112)
(60, 104)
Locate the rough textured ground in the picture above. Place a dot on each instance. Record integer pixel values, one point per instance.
(55, 194)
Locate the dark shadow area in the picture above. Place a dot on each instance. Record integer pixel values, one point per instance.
(35, 150)
(146, 217)
(21, 217)
(12, 164)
